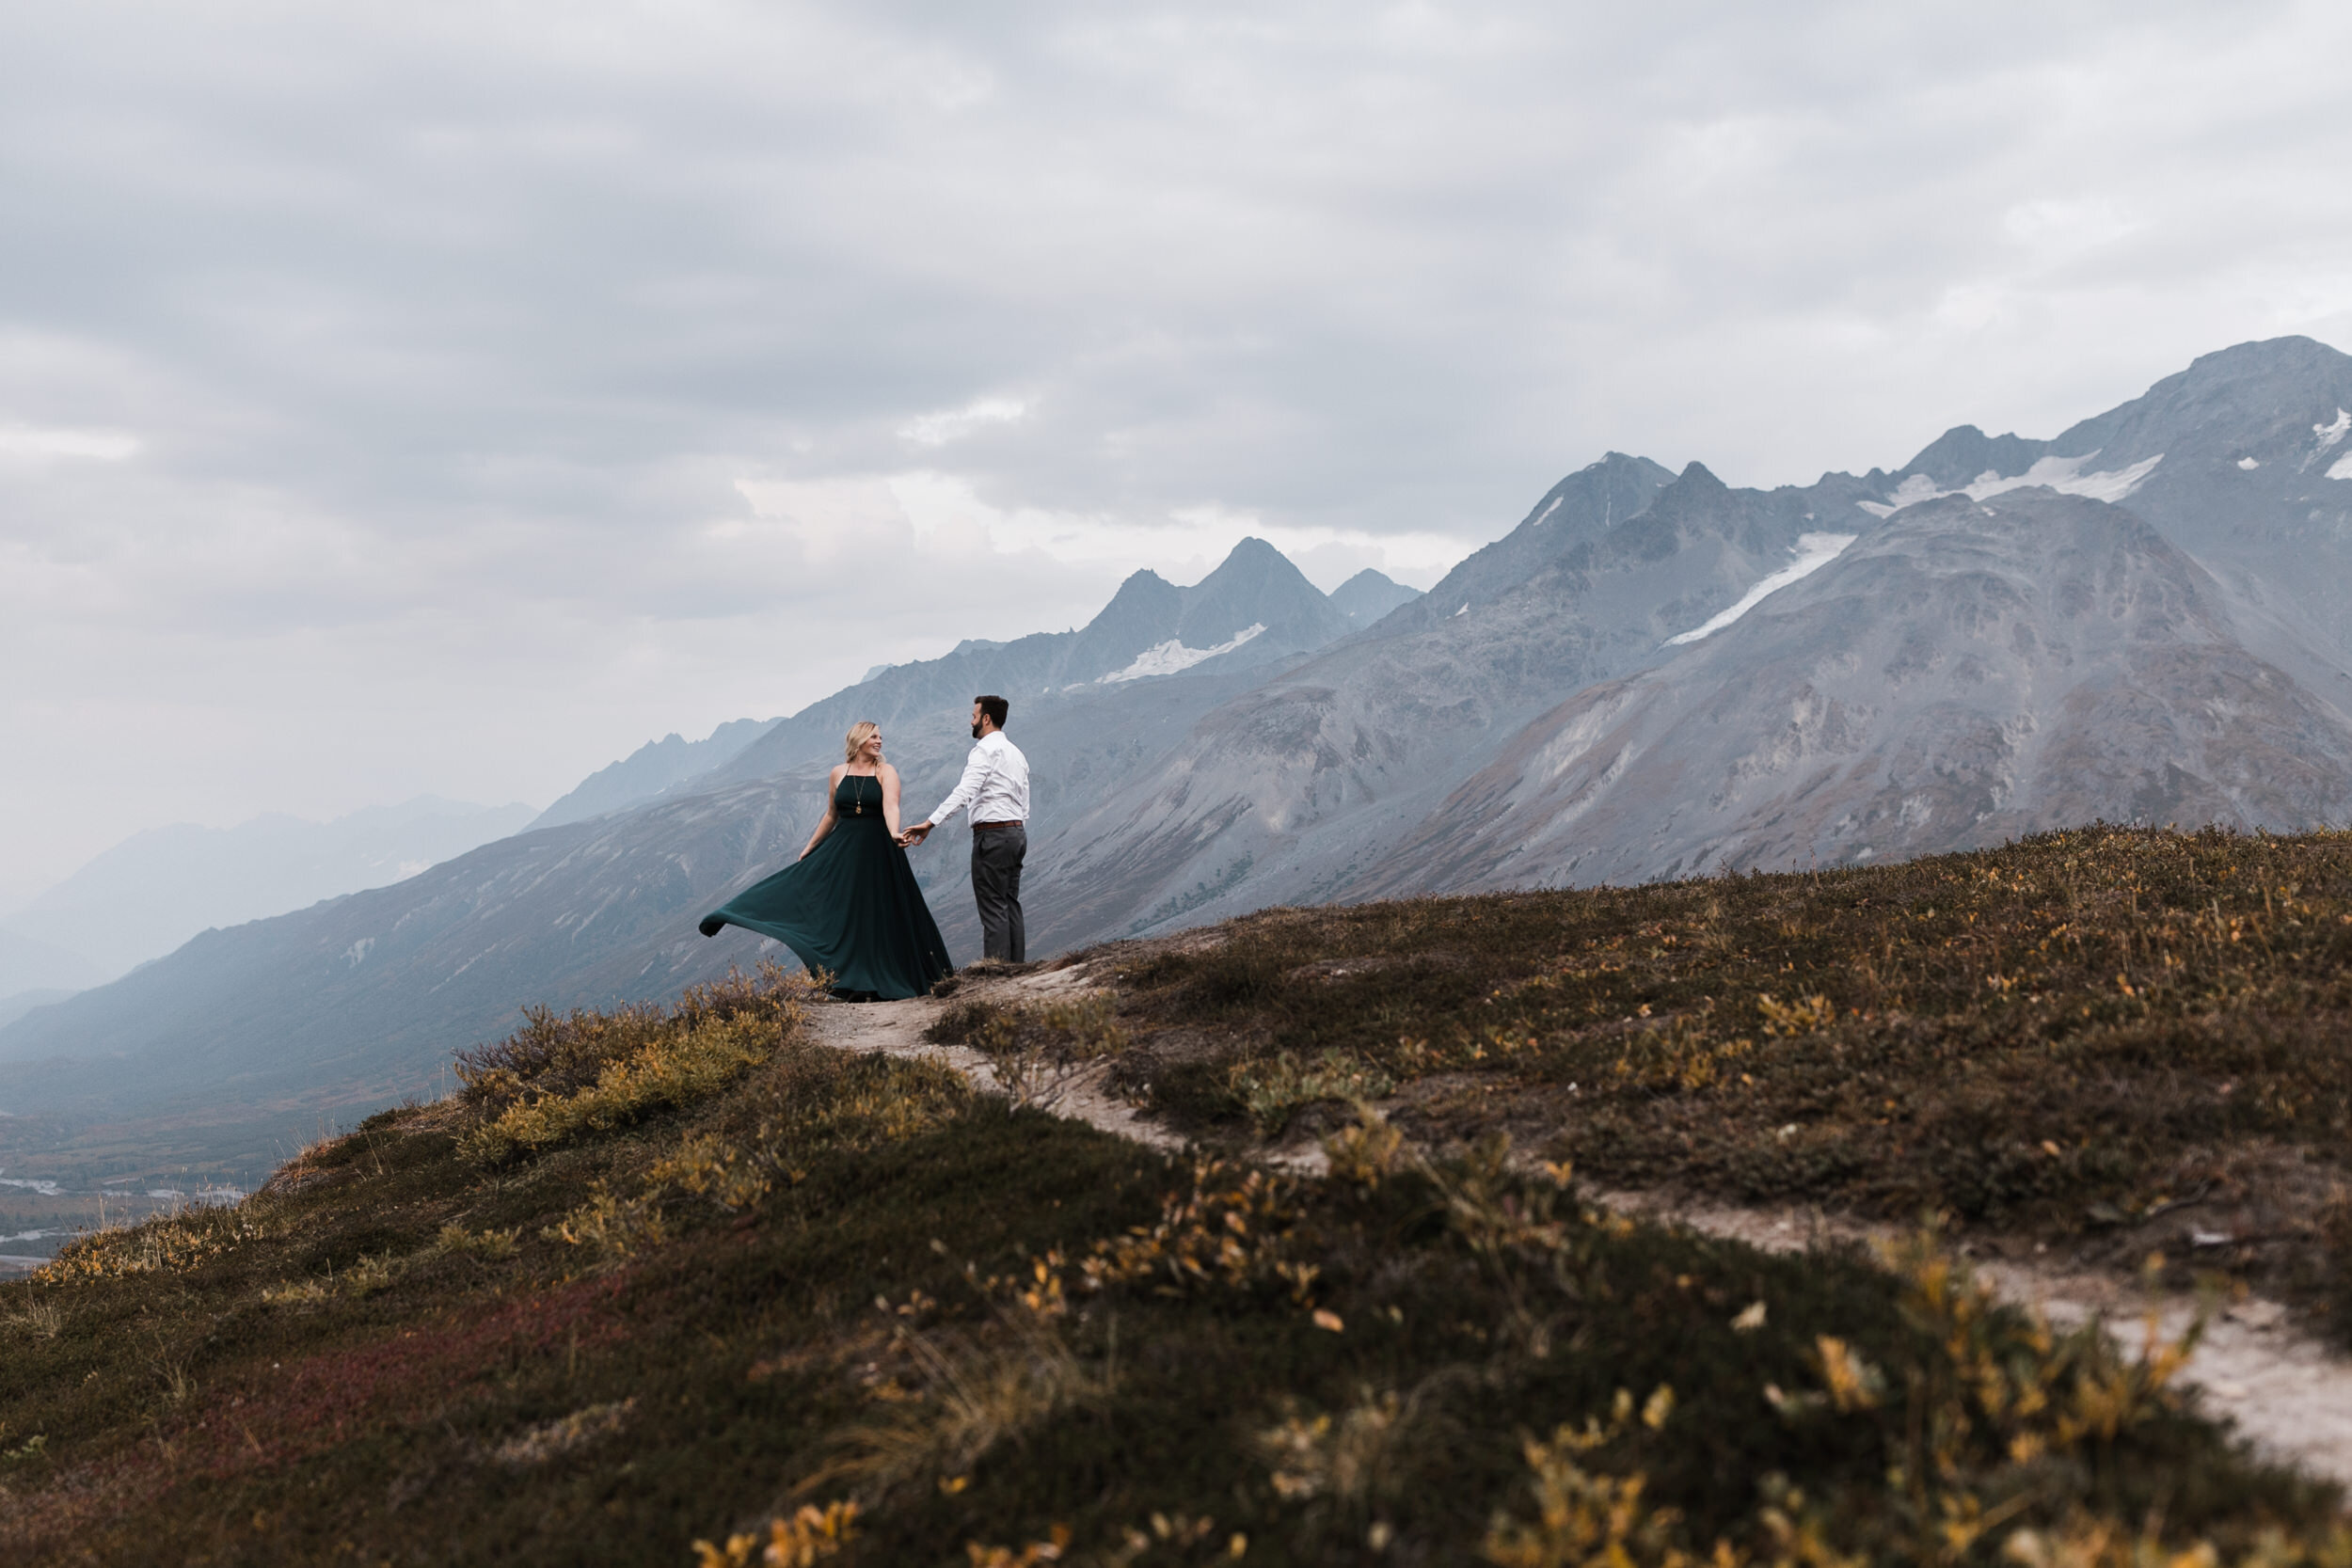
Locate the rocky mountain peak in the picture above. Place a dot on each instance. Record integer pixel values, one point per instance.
(1964, 454)
(1578, 510)
(1368, 594)
(1257, 585)
(2262, 399)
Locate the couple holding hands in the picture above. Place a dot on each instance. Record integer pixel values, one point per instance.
(849, 905)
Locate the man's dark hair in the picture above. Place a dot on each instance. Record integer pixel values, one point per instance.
(996, 710)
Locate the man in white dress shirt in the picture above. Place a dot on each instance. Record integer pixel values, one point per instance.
(995, 788)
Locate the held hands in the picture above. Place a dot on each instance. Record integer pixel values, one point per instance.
(914, 835)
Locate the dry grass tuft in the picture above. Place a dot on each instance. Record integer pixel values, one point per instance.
(976, 1395)
(1042, 1050)
(34, 1315)
(559, 1078)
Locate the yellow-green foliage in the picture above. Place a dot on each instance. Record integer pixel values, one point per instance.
(1583, 1517)
(563, 1076)
(1170, 1538)
(1366, 1152)
(1892, 1037)
(879, 1101)
(490, 1245)
(807, 1538)
(1271, 1089)
(1030, 1556)
(610, 1226)
(709, 1167)
(1036, 1050)
(1229, 1231)
(1348, 1457)
(898, 1099)
(369, 1274)
(167, 1244)
(1995, 1397)
(1090, 1023)
(1340, 1369)
(1069, 1029)
(561, 1053)
(672, 1069)
(675, 1066)
(373, 1272)
(1679, 1055)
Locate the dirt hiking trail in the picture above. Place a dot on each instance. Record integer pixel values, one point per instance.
(2287, 1391)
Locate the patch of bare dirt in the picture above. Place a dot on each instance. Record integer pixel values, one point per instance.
(897, 1028)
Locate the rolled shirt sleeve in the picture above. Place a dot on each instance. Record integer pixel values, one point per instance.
(976, 771)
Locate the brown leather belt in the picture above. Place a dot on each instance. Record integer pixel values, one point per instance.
(983, 827)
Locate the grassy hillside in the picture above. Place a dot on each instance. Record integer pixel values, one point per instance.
(682, 1275)
(2111, 1040)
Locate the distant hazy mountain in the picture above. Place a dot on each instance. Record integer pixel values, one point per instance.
(264, 1029)
(1654, 673)
(1368, 596)
(650, 769)
(27, 963)
(16, 1006)
(155, 889)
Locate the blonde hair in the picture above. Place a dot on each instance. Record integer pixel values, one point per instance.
(859, 733)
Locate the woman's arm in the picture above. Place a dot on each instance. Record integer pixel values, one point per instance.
(890, 799)
(824, 825)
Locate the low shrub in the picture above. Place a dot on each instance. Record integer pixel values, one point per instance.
(559, 1078)
(561, 1054)
(1270, 1090)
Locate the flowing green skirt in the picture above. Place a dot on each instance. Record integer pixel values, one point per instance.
(850, 907)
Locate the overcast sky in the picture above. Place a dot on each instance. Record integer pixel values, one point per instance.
(428, 397)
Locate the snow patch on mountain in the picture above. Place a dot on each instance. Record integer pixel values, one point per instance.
(1814, 551)
(2330, 434)
(2063, 474)
(2341, 468)
(1166, 659)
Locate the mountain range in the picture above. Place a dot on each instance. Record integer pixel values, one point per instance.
(1653, 675)
(150, 893)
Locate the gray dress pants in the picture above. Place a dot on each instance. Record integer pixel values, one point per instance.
(996, 856)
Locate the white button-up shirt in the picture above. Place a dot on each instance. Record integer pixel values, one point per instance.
(995, 784)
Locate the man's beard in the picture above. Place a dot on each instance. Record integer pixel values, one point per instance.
(976, 732)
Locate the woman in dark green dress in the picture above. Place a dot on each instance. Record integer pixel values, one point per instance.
(849, 905)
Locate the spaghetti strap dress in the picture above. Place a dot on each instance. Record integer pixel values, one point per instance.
(849, 907)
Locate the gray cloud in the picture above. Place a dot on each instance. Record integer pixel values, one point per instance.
(451, 397)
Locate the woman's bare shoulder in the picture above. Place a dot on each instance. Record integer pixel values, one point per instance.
(889, 773)
(838, 769)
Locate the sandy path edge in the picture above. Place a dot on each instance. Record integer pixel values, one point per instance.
(2287, 1392)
